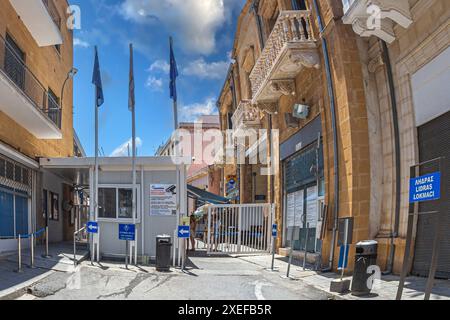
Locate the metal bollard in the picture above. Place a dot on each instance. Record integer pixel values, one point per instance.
(32, 251)
(306, 246)
(20, 254)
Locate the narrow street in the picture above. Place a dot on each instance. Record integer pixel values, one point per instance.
(211, 278)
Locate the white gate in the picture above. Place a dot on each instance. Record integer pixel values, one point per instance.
(239, 229)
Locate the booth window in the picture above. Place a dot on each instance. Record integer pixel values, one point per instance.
(116, 202)
(107, 203)
(125, 203)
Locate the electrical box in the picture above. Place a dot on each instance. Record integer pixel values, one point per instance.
(301, 111)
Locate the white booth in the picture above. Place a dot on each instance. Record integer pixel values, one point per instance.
(159, 203)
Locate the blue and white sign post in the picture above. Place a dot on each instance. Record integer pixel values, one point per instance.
(425, 188)
(422, 189)
(274, 237)
(127, 232)
(184, 232)
(92, 227)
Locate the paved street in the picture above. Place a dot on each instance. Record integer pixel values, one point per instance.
(212, 278)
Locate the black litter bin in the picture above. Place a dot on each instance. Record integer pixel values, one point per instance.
(366, 256)
(163, 249)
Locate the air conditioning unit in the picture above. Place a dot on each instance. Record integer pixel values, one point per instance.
(301, 111)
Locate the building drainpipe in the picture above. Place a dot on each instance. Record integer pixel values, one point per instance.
(393, 97)
(331, 95)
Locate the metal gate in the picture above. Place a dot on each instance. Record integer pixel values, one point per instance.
(434, 142)
(239, 229)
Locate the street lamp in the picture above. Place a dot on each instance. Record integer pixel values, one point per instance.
(70, 75)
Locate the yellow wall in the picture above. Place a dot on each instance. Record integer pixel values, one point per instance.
(51, 69)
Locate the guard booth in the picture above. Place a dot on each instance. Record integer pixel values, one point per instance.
(159, 204)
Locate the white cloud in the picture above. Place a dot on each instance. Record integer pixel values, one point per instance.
(122, 150)
(204, 70)
(160, 65)
(154, 83)
(197, 21)
(192, 112)
(80, 43)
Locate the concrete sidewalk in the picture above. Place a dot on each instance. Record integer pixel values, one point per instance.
(385, 289)
(13, 284)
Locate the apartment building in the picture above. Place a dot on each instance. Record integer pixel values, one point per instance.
(200, 173)
(355, 107)
(36, 110)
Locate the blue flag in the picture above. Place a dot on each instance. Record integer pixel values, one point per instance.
(131, 96)
(173, 73)
(97, 81)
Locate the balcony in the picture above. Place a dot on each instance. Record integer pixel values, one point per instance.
(42, 20)
(24, 99)
(246, 116)
(377, 17)
(290, 47)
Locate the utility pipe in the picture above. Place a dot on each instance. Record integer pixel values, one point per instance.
(393, 98)
(331, 95)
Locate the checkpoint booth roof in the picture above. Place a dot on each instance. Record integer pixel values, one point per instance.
(158, 198)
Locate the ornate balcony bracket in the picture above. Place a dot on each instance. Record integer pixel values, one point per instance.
(306, 58)
(378, 17)
(268, 107)
(284, 87)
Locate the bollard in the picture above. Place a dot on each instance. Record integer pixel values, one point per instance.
(32, 251)
(306, 246)
(20, 254)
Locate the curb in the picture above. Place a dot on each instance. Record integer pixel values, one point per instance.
(19, 290)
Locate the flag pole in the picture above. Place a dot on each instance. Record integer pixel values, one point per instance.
(95, 173)
(133, 124)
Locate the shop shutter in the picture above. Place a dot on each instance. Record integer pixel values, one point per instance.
(434, 142)
(21, 214)
(6, 213)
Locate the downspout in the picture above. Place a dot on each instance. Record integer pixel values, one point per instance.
(393, 97)
(331, 95)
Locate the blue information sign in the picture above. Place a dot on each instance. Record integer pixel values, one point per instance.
(343, 257)
(92, 227)
(184, 232)
(274, 230)
(127, 232)
(425, 188)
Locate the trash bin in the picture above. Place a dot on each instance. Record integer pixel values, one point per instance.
(366, 256)
(163, 250)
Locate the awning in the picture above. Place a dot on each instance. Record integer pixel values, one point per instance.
(203, 197)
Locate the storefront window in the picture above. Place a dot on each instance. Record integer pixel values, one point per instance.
(107, 203)
(125, 203)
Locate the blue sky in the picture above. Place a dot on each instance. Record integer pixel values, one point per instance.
(203, 32)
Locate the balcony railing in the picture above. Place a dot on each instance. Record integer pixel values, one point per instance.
(246, 116)
(292, 31)
(15, 69)
(53, 11)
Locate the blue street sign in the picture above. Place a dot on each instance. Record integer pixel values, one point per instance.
(92, 227)
(184, 232)
(425, 188)
(127, 232)
(274, 230)
(343, 257)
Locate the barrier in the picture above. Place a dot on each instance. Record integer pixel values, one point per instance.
(32, 236)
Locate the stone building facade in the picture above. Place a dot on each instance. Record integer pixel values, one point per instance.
(311, 70)
(36, 116)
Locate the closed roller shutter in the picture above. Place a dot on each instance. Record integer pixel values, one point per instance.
(434, 142)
